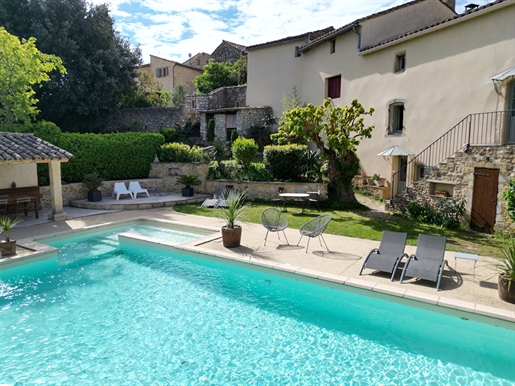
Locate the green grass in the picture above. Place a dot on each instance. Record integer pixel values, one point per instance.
(362, 224)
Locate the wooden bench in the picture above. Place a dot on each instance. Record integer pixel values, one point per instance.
(30, 192)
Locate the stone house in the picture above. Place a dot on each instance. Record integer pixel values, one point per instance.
(170, 74)
(429, 73)
(197, 61)
(228, 52)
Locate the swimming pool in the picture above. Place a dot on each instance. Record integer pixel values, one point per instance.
(134, 315)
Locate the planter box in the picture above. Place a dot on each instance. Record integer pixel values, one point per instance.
(7, 248)
(187, 192)
(94, 196)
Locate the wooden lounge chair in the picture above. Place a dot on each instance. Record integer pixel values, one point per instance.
(428, 261)
(274, 221)
(388, 255)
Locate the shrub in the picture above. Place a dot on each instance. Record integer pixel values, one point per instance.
(172, 134)
(285, 162)
(509, 196)
(243, 151)
(234, 135)
(211, 131)
(180, 152)
(260, 134)
(230, 170)
(447, 213)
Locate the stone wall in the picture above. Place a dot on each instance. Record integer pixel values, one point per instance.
(227, 97)
(457, 177)
(164, 175)
(149, 119)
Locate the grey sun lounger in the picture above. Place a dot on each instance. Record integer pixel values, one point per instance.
(428, 261)
(388, 255)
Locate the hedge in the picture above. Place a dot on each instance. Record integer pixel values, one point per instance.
(180, 152)
(113, 156)
(285, 162)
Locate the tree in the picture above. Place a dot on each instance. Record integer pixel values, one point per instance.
(221, 75)
(178, 94)
(147, 93)
(336, 132)
(100, 64)
(22, 66)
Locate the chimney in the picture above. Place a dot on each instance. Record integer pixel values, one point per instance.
(470, 7)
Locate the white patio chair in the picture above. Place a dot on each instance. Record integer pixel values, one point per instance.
(135, 188)
(120, 189)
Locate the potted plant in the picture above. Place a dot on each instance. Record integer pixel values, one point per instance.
(7, 246)
(376, 177)
(231, 213)
(188, 180)
(506, 269)
(92, 182)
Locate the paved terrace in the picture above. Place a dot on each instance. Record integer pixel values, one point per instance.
(460, 288)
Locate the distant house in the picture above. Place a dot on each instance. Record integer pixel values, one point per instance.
(197, 61)
(228, 52)
(424, 68)
(170, 74)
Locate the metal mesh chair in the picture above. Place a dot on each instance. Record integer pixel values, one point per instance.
(315, 228)
(274, 221)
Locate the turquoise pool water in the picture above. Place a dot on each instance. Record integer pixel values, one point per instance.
(137, 316)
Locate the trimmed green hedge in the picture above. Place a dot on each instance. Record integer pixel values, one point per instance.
(285, 162)
(180, 152)
(113, 156)
(244, 150)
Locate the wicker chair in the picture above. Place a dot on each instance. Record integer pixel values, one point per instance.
(274, 221)
(315, 228)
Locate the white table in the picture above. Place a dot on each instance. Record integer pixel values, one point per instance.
(466, 256)
(293, 196)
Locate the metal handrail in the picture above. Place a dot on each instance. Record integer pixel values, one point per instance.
(478, 129)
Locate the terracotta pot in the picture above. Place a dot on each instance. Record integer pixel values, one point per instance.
(231, 237)
(506, 289)
(7, 248)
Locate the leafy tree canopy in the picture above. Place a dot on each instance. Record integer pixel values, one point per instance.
(22, 66)
(100, 64)
(336, 132)
(147, 93)
(221, 75)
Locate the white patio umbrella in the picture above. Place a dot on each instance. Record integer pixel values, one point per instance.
(396, 150)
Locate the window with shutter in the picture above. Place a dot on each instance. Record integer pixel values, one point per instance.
(333, 86)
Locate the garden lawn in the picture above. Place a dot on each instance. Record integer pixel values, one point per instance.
(366, 224)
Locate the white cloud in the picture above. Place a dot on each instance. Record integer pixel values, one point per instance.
(172, 29)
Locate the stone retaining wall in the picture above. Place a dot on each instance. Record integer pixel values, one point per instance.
(164, 175)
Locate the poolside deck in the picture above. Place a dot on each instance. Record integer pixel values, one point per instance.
(460, 288)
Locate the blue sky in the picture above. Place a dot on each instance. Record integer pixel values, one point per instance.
(172, 29)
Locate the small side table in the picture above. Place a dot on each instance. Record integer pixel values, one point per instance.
(465, 256)
(155, 190)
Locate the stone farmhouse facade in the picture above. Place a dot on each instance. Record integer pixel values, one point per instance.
(170, 74)
(428, 72)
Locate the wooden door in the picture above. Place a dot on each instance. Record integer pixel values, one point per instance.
(484, 199)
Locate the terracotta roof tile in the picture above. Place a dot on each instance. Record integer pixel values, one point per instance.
(22, 147)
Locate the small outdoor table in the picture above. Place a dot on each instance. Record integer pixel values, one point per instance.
(155, 190)
(294, 196)
(465, 256)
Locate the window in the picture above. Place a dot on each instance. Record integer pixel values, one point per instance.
(333, 47)
(333, 86)
(230, 125)
(396, 117)
(400, 62)
(297, 51)
(160, 72)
